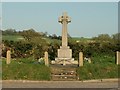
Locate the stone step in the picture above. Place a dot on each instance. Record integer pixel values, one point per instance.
(59, 73)
(70, 69)
(63, 70)
(63, 73)
(63, 77)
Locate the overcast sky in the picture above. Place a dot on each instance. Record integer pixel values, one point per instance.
(88, 18)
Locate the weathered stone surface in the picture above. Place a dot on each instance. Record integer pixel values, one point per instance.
(64, 53)
(81, 59)
(117, 57)
(8, 60)
(64, 73)
(46, 59)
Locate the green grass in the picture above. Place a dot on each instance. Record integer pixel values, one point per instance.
(12, 37)
(80, 39)
(73, 39)
(102, 67)
(24, 69)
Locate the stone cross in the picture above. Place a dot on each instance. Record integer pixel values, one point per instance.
(64, 20)
(46, 59)
(8, 60)
(117, 57)
(64, 53)
(80, 59)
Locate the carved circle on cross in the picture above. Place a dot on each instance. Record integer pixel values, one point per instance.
(64, 18)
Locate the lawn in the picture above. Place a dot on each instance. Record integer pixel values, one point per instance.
(24, 69)
(102, 66)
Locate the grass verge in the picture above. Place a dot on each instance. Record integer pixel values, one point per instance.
(102, 67)
(24, 69)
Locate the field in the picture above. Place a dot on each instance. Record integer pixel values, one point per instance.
(18, 37)
(12, 37)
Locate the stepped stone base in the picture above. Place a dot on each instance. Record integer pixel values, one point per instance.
(64, 61)
(64, 56)
(64, 52)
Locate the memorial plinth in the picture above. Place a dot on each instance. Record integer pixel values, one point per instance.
(64, 53)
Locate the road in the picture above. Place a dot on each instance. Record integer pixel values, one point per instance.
(58, 84)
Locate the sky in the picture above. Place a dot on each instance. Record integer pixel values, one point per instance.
(88, 19)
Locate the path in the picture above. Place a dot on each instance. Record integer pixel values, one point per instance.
(58, 84)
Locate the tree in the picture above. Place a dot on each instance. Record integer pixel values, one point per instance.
(9, 32)
(116, 37)
(29, 34)
(102, 37)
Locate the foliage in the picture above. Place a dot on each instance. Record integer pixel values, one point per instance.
(18, 48)
(103, 37)
(36, 43)
(33, 44)
(9, 32)
(29, 34)
(54, 36)
(116, 36)
(52, 50)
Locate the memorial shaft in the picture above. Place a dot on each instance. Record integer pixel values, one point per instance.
(64, 53)
(64, 34)
(64, 20)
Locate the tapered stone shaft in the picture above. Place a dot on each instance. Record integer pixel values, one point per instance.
(64, 20)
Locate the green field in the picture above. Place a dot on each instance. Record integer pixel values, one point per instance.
(18, 37)
(12, 37)
(80, 38)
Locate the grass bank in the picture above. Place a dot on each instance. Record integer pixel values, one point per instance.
(102, 67)
(24, 69)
